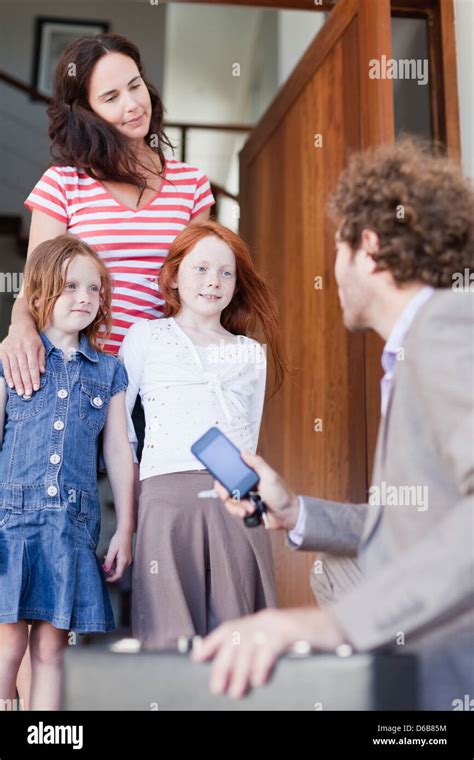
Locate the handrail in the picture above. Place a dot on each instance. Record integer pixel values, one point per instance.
(222, 127)
(26, 88)
(219, 190)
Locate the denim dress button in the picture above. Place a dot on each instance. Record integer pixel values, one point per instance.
(49, 569)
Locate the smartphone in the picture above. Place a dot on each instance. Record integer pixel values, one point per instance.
(224, 462)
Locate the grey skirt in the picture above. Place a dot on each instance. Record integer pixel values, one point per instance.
(195, 565)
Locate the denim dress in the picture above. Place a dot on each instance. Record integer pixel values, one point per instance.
(49, 498)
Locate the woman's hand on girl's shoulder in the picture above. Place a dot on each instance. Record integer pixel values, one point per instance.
(22, 351)
(23, 356)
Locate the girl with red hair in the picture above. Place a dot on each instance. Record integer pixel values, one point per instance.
(195, 566)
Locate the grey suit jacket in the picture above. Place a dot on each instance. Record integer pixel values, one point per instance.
(417, 558)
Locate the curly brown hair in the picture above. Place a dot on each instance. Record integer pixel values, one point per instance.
(83, 139)
(419, 205)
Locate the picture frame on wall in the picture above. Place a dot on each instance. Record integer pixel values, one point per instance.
(52, 36)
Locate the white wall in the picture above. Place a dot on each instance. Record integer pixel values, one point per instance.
(281, 39)
(24, 142)
(464, 10)
(296, 31)
(208, 53)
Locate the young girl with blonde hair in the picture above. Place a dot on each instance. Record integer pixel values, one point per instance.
(50, 576)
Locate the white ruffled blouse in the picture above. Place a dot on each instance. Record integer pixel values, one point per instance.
(185, 389)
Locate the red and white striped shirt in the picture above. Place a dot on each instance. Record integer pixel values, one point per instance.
(132, 243)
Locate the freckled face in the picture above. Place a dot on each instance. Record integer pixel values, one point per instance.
(207, 276)
(78, 304)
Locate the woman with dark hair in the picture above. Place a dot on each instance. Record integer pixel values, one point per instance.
(110, 185)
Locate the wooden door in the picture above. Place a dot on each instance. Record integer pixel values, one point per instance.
(317, 430)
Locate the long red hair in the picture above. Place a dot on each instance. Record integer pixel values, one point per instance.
(253, 304)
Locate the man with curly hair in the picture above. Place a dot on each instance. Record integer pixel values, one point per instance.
(402, 574)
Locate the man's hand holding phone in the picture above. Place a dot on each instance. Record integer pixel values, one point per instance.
(281, 503)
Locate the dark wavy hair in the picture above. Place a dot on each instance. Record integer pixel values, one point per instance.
(419, 205)
(83, 139)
